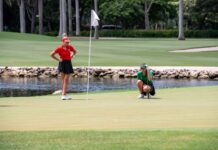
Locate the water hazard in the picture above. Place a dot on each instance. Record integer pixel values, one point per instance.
(36, 86)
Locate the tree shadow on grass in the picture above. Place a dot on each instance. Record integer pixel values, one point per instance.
(152, 98)
(79, 99)
(7, 105)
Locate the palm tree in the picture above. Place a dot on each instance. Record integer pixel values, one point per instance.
(63, 18)
(40, 9)
(77, 17)
(21, 4)
(64, 15)
(181, 30)
(1, 15)
(70, 16)
(96, 36)
(60, 19)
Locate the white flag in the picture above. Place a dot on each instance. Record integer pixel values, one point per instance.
(94, 19)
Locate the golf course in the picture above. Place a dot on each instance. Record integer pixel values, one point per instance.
(176, 118)
(33, 50)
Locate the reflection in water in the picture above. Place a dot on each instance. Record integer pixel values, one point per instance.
(38, 86)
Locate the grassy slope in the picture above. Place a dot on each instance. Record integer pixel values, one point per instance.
(171, 108)
(33, 50)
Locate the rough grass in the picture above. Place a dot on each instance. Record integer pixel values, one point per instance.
(111, 140)
(33, 50)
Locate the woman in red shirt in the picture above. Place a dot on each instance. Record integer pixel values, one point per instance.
(66, 53)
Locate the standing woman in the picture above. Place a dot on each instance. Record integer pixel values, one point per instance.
(66, 52)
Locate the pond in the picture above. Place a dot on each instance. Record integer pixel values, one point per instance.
(38, 86)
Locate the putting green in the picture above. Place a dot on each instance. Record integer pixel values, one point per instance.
(195, 107)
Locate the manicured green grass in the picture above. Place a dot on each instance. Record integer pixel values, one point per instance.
(33, 50)
(111, 140)
(169, 109)
(178, 119)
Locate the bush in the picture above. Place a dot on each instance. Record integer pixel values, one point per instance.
(51, 33)
(155, 33)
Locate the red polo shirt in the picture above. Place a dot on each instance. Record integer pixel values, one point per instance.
(64, 52)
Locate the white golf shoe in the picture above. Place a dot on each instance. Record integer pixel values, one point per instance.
(64, 97)
(68, 97)
(141, 96)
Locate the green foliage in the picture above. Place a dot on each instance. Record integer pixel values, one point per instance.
(202, 33)
(155, 33)
(124, 12)
(127, 13)
(201, 14)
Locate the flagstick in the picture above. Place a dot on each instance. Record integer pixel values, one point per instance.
(148, 71)
(89, 62)
(93, 23)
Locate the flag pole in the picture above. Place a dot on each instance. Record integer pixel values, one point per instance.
(89, 63)
(93, 23)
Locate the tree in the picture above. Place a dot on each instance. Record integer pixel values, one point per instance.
(1, 15)
(63, 18)
(21, 4)
(70, 16)
(77, 17)
(206, 14)
(126, 13)
(187, 12)
(162, 14)
(60, 19)
(181, 30)
(147, 7)
(40, 10)
(64, 15)
(31, 9)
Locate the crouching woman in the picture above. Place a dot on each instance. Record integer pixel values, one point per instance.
(144, 82)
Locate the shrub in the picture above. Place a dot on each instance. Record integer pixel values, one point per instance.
(155, 33)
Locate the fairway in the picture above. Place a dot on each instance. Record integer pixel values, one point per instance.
(33, 50)
(195, 107)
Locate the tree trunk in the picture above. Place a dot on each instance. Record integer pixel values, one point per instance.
(1, 15)
(70, 16)
(147, 23)
(40, 9)
(22, 17)
(60, 19)
(77, 17)
(96, 35)
(64, 16)
(33, 20)
(181, 30)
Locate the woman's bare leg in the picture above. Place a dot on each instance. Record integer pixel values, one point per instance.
(65, 84)
(140, 86)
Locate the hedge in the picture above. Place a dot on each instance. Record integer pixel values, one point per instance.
(155, 33)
